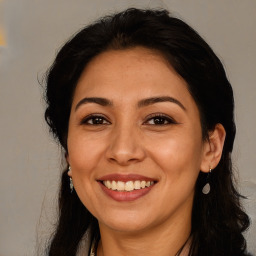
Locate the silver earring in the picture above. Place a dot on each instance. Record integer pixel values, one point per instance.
(70, 181)
(207, 188)
(71, 184)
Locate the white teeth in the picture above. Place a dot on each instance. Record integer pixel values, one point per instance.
(108, 184)
(120, 186)
(127, 186)
(114, 186)
(137, 184)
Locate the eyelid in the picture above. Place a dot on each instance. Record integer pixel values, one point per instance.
(88, 117)
(85, 119)
(155, 115)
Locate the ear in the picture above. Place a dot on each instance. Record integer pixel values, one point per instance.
(69, 167)
(213, 147)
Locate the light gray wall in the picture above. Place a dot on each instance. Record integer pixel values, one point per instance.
(30, 161)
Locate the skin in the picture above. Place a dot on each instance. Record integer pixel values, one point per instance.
(128, 140)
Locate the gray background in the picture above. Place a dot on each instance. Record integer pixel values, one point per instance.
(30, 160)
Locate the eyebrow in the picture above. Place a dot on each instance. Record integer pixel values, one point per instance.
(142, 103)
(101, 101)
(153, 100)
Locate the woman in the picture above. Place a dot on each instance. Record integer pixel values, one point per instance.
(144, 112)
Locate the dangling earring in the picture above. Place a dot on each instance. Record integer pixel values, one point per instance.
(71, 184)
(207, 188)
(70, 181)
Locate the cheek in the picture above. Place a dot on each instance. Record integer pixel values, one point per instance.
(177, 155)
(84, 152)
(84, 156)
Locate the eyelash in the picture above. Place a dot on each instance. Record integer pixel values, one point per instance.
(162, 117)
(94, 117)
(156, 116)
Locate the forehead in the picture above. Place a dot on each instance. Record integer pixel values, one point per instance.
(130, 74)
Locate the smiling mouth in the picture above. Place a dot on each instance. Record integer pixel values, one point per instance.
(127, 186)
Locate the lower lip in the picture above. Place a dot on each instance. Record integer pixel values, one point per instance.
(125, 196)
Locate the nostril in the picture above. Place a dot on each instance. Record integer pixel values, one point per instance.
(124, 160)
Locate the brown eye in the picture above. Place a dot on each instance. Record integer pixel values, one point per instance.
(157, 119)
(95, 120)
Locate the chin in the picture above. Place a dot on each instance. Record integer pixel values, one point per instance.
(126, 222)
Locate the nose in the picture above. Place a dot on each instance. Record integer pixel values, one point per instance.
(125, 147)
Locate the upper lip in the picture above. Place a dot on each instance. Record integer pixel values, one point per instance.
(125, 177)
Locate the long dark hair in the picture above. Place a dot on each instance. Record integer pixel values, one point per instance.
(218, 219)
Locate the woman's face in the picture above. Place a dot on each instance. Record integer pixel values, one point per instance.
(134, 141)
